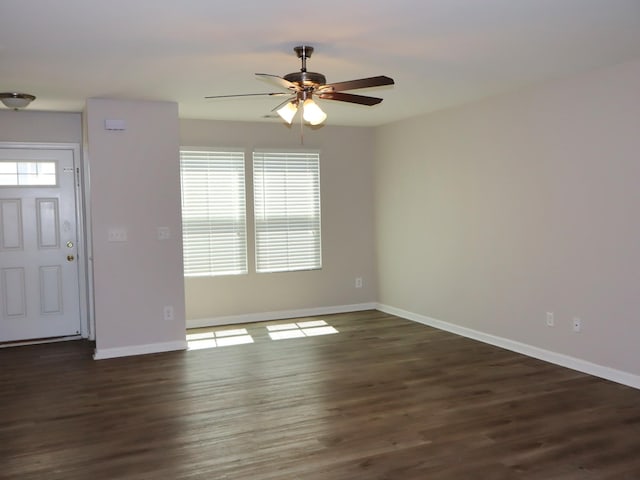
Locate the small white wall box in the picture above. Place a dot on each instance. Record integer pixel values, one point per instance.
(115, 124)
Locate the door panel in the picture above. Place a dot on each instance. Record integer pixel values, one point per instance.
(39, 287)
(11, 224)
(14, 292)
(47, 223)
(51, 290)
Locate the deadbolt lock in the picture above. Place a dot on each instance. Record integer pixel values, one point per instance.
(69, 244)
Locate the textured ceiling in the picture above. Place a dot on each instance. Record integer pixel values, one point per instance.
(441, 53)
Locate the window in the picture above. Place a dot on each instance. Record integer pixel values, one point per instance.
(213, 212)
(27, 173)
(287, 211)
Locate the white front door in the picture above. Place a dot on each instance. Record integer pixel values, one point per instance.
(39, 289)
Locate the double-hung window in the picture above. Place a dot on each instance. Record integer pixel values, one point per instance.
(286, 194)
(213, 212)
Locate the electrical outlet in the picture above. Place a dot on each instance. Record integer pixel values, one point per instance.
(168, 313)
(358, 282)
(550, 320)
(577, 324)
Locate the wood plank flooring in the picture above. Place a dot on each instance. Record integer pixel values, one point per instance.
(384, 398)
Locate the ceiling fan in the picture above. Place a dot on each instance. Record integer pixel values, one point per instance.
(300, 88)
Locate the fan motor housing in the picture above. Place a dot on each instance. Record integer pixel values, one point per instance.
(306, 79)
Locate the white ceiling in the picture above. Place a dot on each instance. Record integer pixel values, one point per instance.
(441, 53)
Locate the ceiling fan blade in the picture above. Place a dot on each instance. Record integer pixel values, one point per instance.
(280, 105)
(349, 97)
(273, 94)
(278, 81)
(355, 84)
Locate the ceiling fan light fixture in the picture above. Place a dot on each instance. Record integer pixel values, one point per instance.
(16, 100)
(288, 111)
(312, 113)
(301, 86)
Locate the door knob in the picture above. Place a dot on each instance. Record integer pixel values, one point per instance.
(70, 258)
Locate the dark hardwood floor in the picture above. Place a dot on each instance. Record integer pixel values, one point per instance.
(384, 398)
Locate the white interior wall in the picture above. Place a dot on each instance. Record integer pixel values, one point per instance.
(494, 213)
(29, 126)
(487, 216)
(44, 127)
(135, 187)
(134, 184)
(346, 184)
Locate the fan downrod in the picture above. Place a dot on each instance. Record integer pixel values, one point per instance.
(304, 78)
(303, 52)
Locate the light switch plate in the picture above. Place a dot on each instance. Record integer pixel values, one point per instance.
(117, 234)
(164, 233)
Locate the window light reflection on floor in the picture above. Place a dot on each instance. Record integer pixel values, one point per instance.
(284, 326)
(311, 332)
(280, 335)
(312, 323)
(309, 328)
(229, 333)
(234, 340)
(200, 336)
(201, 344)
(219, 338)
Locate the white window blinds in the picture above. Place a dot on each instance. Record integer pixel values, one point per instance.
(213, 212)
(287, 211)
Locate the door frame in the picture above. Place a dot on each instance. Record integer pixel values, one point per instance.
(80, 184)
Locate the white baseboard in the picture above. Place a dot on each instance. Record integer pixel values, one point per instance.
(573, 363)
(102, 353)
(278, 315)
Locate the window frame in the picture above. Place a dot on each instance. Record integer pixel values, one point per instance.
(237, 224)
(25, 178)
(288, 255)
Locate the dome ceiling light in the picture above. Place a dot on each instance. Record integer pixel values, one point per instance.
(16, 100)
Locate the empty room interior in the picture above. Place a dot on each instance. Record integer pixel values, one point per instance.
(363, 240)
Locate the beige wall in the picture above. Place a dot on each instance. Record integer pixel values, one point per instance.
(486, 216)
(494, 213)
(135, 185)
(346, 182)
(50, 128)
(33, 126)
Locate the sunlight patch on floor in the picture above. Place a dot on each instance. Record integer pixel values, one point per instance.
(280, 335)
(200, 336)
(218, 338)
(309, 328)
